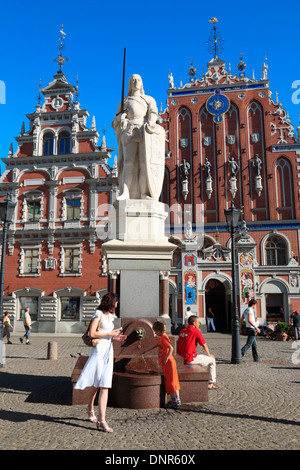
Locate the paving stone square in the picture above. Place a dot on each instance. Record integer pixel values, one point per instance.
(255, 407)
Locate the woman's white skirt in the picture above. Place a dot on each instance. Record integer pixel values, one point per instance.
(98, 369)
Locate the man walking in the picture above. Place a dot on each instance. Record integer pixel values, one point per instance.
(210, 316)
(296, 325)
(27, 325)
(249, 316)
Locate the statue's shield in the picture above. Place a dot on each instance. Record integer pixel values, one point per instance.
(155, 160)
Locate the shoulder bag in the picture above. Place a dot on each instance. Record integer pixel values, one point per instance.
(88, 341)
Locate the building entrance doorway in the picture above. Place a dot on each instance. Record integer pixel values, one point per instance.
(215, 298)
(275, 307)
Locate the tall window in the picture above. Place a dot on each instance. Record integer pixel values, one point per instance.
(284, 184)
(276, 251)
(48, 144)
(73, 209)
(71, 260)
(31, 257)
(33, 211)
(64, 143)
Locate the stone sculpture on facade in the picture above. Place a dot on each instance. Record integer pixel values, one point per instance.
(257, 165)
(141, 144)
(184, 168)
(208, 177)
(233, 167)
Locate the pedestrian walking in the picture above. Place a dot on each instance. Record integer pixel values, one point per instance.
(296, 325)
(27, 326)
(7, 327)
(210, 315)
(167, 363)
(98, 370)
(187, 314)
(188, 340)
(251, 328)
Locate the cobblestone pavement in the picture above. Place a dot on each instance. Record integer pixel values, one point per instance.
(256, 405)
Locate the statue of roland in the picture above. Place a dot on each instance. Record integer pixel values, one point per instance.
(141, 145)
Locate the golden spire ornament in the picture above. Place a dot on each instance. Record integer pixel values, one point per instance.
(60, 58)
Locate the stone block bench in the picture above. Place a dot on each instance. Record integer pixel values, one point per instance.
(145, 388)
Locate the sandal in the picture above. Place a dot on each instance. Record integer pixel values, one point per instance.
(91, 415)
(213, 387)
(104, 428)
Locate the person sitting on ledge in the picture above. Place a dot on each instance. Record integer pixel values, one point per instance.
(188, 340)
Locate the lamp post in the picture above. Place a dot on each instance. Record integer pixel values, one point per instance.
(7, 208)
(232, 218)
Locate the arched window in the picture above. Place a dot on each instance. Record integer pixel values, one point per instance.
(283, 183)
(64, 143)
(48, 144)
(276, 251)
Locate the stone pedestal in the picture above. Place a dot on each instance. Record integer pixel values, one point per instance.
(140, 257)
(139, 220)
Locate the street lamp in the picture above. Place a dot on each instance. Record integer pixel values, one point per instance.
(232, 219)
(7, 208)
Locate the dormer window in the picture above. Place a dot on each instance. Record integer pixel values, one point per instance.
(64, 143)
(48, 144)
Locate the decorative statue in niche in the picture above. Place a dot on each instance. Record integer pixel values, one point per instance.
(141, 144)
(257, 164)
(208, 177)
(207, 169)
(184, 168)
(233, 166)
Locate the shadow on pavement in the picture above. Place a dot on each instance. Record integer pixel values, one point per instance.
(40, 389)
(189, 408)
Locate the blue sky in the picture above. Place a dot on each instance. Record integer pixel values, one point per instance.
(158, 35)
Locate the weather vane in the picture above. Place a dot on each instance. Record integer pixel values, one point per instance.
(60, 58)
(39, 95)
(192, 71)
(241, 65)
(77, 83)
(215, 41)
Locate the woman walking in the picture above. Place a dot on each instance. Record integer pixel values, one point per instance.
(6, 327)
(98, 370)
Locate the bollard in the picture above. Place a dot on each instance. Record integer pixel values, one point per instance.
(52, 350)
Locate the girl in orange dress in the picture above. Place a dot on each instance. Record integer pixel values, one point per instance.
(167, 363)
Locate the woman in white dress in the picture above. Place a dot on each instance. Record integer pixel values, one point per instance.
(98, 370)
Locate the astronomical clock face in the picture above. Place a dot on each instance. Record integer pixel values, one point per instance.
(217, 105)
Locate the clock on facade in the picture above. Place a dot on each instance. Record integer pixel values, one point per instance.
(57, 102)
(217, 105)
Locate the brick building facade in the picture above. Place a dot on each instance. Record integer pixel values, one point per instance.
(228, 140)
(63, 185)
